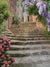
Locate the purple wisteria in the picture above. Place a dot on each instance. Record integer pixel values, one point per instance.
(42, 9)
(48, 18)
(29, 3)
(40, 5)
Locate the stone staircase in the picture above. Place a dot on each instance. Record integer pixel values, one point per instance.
(29, 49)
(23, 27)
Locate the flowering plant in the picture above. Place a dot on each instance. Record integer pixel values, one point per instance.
(5, 59)
(43, 10)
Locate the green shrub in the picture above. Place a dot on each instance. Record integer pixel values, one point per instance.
(32, 10)
(1, 28)
(42, 20)
(22, 0)
(46, 32)
(4, 12)
(17, 20)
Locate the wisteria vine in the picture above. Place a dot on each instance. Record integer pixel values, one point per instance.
(43, 8)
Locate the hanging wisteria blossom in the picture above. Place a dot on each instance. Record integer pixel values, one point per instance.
(43, 8)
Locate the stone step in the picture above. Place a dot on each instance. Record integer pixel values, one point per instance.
(31, 47)
(18, 55)
(32, 59)
(33, 64)
(28, 37)
(29, 52)
(24, 35)
(7, 33)
(30, 32)
(28, 26)
(24, 39)
(17, 42)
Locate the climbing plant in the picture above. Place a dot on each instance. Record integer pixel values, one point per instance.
(42, 11)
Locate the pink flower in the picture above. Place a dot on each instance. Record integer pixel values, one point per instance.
(4, 38)
(7, 49)
(7, 65)
(4, 42)
(2, 49)
(5, 62)
(0, 36)
(0, 40)
(3, 45)
(2, 56)
(9, 62)
(9, 42)
(8, 56)
(0, 46)
(0, 59)
(9, 45)
(13, 60)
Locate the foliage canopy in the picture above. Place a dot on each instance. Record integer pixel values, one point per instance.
(4, 12)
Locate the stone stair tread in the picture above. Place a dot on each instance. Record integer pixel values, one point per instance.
(24, 35)
(28, 51)
(33, 59)
(6, 33)
(31, 46)
(34, 36)
(22, 38)
(30, 41)
(26, 38)
(29, 33)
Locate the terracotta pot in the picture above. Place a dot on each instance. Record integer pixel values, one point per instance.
(40, 26)
(34, 18)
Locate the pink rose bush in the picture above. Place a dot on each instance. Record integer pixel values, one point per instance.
(5, 59)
